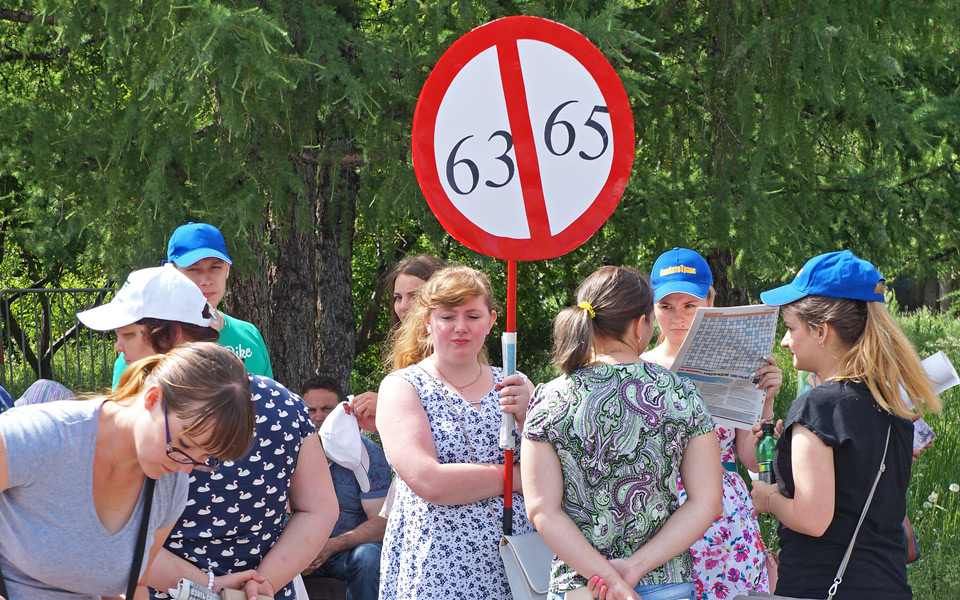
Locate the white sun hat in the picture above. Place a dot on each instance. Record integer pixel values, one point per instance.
(157, 293)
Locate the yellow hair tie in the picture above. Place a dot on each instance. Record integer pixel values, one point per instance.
(586, 306)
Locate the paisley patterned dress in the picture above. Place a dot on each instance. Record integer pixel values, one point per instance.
(620, 432)
(729, 558)
(433, 551)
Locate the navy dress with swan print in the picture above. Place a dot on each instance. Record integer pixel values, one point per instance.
(235, 514)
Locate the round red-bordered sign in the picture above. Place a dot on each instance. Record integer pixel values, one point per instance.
(523, 139)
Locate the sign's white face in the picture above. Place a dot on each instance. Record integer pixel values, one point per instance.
(476, 159)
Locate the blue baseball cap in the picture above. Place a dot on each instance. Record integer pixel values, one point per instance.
(835, 275)
(196, 241)
(680, 270)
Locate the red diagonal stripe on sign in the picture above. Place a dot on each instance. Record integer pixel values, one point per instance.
(525, 148)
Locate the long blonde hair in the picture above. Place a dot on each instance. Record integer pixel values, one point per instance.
(202, 383)
(448, 287)
(879, 355)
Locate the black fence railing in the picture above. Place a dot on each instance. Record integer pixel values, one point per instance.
(42, 339)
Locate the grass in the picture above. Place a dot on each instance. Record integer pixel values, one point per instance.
(933, 499)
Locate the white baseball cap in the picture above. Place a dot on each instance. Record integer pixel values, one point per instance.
(340, 435)
(156, 293)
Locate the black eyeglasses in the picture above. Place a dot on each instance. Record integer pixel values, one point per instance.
(178, 455)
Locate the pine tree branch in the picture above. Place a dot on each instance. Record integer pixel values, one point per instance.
(53, 54)
(714, 107)
(666, 83)
(942, 167)
(36, 56)
(20, 16)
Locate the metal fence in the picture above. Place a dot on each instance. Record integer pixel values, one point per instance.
(42, 339)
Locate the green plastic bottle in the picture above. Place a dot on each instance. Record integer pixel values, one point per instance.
(765, 454)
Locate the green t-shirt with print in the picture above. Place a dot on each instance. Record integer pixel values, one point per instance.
(241, 337)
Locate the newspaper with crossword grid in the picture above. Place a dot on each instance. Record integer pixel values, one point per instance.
(722, 350)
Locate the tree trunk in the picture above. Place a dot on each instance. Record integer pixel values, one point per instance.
(731, 287)
(335, 213)
(931, 293)
(946, 287)
(248, 298)
(300, 299)
(293, 285)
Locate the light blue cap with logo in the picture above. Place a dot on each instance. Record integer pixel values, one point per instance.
(680, 270)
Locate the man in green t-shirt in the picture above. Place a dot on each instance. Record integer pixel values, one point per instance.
(199, 252)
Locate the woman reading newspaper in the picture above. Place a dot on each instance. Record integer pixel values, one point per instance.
(729, 559)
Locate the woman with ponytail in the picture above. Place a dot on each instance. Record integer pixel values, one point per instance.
(605, 445)
(73, 474)
(835, 435)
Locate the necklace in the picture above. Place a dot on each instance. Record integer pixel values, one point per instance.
(608, 358)
(624, 349)
(459, 388)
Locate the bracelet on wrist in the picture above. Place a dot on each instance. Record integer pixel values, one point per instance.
(273, 588)
(769, 498)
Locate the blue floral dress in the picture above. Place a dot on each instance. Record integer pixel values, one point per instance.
(729, 558)
(443, 552)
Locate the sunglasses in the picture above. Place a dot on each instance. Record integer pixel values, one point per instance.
(177, 455)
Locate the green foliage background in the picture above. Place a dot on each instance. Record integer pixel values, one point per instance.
(767, 132)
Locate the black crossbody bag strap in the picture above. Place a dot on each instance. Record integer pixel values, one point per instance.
(846, 557)
(3, 585)
(141, 546)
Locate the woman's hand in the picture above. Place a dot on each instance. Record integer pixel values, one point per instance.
(235, 581)
(770, 379)
(611, 588)
(757, 430)
(630, 572)
(253, 588)
(747, 442)
(762, 493)
(515, 392)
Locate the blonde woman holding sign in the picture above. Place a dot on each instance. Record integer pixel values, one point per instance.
(440, 432)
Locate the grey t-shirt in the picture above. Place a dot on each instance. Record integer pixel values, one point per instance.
(52, 543)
